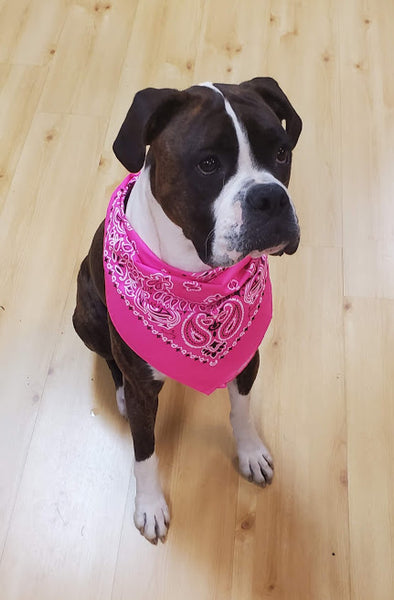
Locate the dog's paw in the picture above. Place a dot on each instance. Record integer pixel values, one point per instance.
(255, 461)
(152, 517)
(121, 402)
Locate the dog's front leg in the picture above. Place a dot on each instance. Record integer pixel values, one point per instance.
(255, 461)
(151, 514)
(141, 390)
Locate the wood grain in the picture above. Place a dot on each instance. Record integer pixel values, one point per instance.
(323, 399)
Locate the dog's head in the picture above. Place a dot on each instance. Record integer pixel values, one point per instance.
(219, 160)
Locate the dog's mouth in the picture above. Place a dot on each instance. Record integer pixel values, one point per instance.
(289, 248)
(279, 250)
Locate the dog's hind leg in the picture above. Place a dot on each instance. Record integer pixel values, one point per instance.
(90, 316)
(90, 321)
(255, 461)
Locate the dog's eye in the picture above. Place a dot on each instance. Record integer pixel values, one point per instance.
(209, 165)
(283, 156)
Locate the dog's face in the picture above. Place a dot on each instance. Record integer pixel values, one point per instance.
(219, 163)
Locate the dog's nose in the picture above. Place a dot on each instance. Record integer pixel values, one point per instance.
(267, 197)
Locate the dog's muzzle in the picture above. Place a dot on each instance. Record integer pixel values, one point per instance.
(270, 221)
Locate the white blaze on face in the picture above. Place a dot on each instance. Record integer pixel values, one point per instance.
(228, 205)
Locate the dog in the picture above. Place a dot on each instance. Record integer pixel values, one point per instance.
(176, 281)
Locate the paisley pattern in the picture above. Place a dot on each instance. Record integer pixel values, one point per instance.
(201, 316)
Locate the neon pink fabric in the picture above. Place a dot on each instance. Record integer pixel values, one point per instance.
(193, 327)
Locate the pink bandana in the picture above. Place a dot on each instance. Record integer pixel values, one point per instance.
(193, 327)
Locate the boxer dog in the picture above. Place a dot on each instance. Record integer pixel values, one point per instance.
(176, 281)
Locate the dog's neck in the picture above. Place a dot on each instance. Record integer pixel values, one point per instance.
(163, 237)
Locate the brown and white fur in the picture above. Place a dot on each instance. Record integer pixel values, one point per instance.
(213, 189)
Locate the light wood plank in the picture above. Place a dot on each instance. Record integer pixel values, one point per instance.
(34, 36)
(94, 36)
(71, 550)
(368, 153)
(243, 27)
(303, 519)
(21, 87)
(36, 282)
(166, 53)
(12, 19)
(369, 391)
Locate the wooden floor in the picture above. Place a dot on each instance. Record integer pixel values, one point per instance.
(324, 398)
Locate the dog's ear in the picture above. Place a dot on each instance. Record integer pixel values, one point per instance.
(147, 116)
(272, 94)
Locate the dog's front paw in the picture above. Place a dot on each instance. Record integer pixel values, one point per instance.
(255, 461)
(152, 517)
